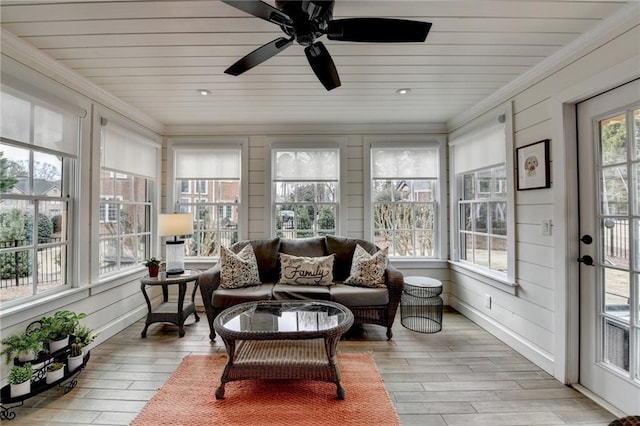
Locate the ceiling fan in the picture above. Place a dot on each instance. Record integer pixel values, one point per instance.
(306, 20)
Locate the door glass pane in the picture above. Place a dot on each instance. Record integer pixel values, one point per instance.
(636, 132)
(615, 190)
(615, 242)
(616, 344)
(613, 137)
(617, 293)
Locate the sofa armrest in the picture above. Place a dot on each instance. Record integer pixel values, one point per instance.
(395, 284)
(208, 282)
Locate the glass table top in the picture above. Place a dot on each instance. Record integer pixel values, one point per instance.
(283, 316)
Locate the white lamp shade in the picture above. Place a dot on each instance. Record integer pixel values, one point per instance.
(173, 224)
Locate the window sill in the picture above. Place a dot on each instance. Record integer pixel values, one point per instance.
(37, 306)
(417, 263)
(486, 277)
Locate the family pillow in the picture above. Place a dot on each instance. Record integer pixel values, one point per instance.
(306, 270)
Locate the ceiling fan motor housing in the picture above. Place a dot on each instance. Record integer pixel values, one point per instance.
(310, 19)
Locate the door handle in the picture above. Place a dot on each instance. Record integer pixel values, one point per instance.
(587, 239)
(586, 259)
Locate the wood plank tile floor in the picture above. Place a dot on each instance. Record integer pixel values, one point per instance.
(459, 376)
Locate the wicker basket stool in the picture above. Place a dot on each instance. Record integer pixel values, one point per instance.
(421, 304)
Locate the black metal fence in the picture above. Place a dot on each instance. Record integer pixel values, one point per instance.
(16, 266)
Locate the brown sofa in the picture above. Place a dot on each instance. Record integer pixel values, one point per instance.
(369, 305)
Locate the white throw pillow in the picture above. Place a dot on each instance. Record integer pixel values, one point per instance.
(238, 270)
(306, 270)
(368, 270)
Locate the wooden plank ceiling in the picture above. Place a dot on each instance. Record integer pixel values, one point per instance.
(155, 54)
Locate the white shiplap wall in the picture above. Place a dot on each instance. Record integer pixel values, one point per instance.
(532, 320)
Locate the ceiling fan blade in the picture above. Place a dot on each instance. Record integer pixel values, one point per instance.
(262, 10)
(378, 30)
(259, 55)
(322, 65)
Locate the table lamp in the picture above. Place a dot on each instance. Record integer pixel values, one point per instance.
(175, 224)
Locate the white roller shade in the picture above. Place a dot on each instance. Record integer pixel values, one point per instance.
(312, 165)
(479, 148)
(54, 128)
(126, 151)
(404, 163)
(215, 163)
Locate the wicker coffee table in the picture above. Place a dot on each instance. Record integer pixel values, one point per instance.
(278, 339)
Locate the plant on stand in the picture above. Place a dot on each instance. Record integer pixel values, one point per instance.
(26, 346)
(75, 357)
(59, 327)
(19, 380)
(153, 264)
(84, 335)
(55, 372)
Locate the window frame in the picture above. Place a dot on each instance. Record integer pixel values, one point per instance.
(505, 281)
(293, 143)
(440, 224)
(173, 200)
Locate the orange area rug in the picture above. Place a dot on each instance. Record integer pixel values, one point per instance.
(188, 398)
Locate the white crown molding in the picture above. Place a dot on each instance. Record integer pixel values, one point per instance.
(624, 19)
(298, 129)
(32, 57)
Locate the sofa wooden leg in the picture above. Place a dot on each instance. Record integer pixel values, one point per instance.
(389, 333)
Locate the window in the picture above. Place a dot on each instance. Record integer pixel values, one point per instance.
(305, 191)
(483, 218)
(127, 181)
(404, 198)
(214, 175)
(38, 147)
(482, 172)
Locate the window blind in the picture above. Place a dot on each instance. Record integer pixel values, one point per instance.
(126, 151)
(404, 163)
(310, 165)
(481, 147)
(215, 163)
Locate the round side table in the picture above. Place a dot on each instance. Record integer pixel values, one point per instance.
(421, 304)
(173, 312)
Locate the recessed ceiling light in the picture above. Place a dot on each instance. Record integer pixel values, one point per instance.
(404, 91)
(204, 92)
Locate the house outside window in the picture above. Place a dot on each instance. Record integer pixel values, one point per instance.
(39, 141)
(481, 165)
(305, 191)
(405, 195)
(214, 174)
(129, 166)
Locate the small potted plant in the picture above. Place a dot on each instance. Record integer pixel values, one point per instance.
(55, 372)
(26, 346)
(75, 357)
(59, 327)
(153, 263)
(19, 380)
(84, 335)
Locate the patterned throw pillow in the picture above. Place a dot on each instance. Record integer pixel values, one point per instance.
(238, 270)
(367, 270)
(306, 270)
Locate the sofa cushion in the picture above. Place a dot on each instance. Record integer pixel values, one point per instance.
(267, 256)
(308, 247)
(238, 270)
(306, 270)
(300, 292)
(343, 248)
(223, 298)
(368, 270)
(359, 296)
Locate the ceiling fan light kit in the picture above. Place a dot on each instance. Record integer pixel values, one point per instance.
(305, 21)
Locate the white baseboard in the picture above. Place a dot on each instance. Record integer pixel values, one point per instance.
(516, 342)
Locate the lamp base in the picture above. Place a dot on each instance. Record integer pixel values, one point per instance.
(173, 272)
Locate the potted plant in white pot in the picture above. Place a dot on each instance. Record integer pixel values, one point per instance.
(26, 346)
(55, 372)
(75, 357)
(59, 327)
(19, 380)
(84, 335)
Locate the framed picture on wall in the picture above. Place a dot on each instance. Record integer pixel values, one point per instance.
(533, 166)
